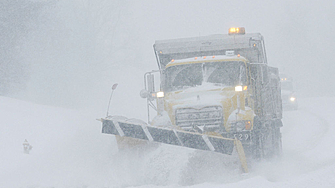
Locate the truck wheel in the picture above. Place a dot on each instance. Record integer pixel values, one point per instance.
(258, 151)
(258, 144)
(276, 135)
(277, 145)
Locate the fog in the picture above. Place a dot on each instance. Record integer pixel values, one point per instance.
(68, 54)
(74, 51)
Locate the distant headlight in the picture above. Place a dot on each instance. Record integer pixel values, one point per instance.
(160, 94)
(292, 99)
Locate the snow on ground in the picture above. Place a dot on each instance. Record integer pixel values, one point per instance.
(70, 151)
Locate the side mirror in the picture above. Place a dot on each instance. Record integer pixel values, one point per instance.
(144, 93)
(151, 83)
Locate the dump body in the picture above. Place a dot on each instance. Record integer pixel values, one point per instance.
(250, 46)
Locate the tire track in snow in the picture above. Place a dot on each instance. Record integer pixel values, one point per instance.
(303, 134)
(323, 126)
(303, 130)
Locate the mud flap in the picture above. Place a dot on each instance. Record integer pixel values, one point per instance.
(241, 155)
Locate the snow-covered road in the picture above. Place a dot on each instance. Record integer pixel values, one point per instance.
(69, 151)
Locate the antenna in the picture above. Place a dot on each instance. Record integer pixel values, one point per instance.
(113, 88)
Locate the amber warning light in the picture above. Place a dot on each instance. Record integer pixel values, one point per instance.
(236, 31)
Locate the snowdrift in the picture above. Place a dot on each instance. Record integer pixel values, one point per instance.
(70, 151)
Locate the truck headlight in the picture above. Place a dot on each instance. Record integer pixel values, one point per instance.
(238, 88)
(160, 94)
(292, 99)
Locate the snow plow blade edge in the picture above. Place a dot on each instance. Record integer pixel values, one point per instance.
(169, 136)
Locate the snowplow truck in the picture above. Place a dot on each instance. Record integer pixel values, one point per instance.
(288, 94)
(215, 93)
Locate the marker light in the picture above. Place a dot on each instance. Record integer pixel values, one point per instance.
(292, 99)
(172, 60)
(245, 88)
(236, 31)
(160, 94)
(247, 125)
(238, 88)
(238, 55)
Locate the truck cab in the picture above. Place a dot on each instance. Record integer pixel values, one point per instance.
(205, 93)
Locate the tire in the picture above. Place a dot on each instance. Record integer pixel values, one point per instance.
(258, 144)
(277, 142)
(258, 147)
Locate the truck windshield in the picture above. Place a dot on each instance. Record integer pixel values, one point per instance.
(226, 73)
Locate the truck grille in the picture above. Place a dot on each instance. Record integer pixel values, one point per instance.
(208, 118)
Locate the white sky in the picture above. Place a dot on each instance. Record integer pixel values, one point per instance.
(86, 46)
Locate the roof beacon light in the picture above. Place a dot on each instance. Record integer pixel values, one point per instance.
(236, 31)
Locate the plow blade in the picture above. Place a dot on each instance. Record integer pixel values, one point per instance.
(169, 136)
(174, 137)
